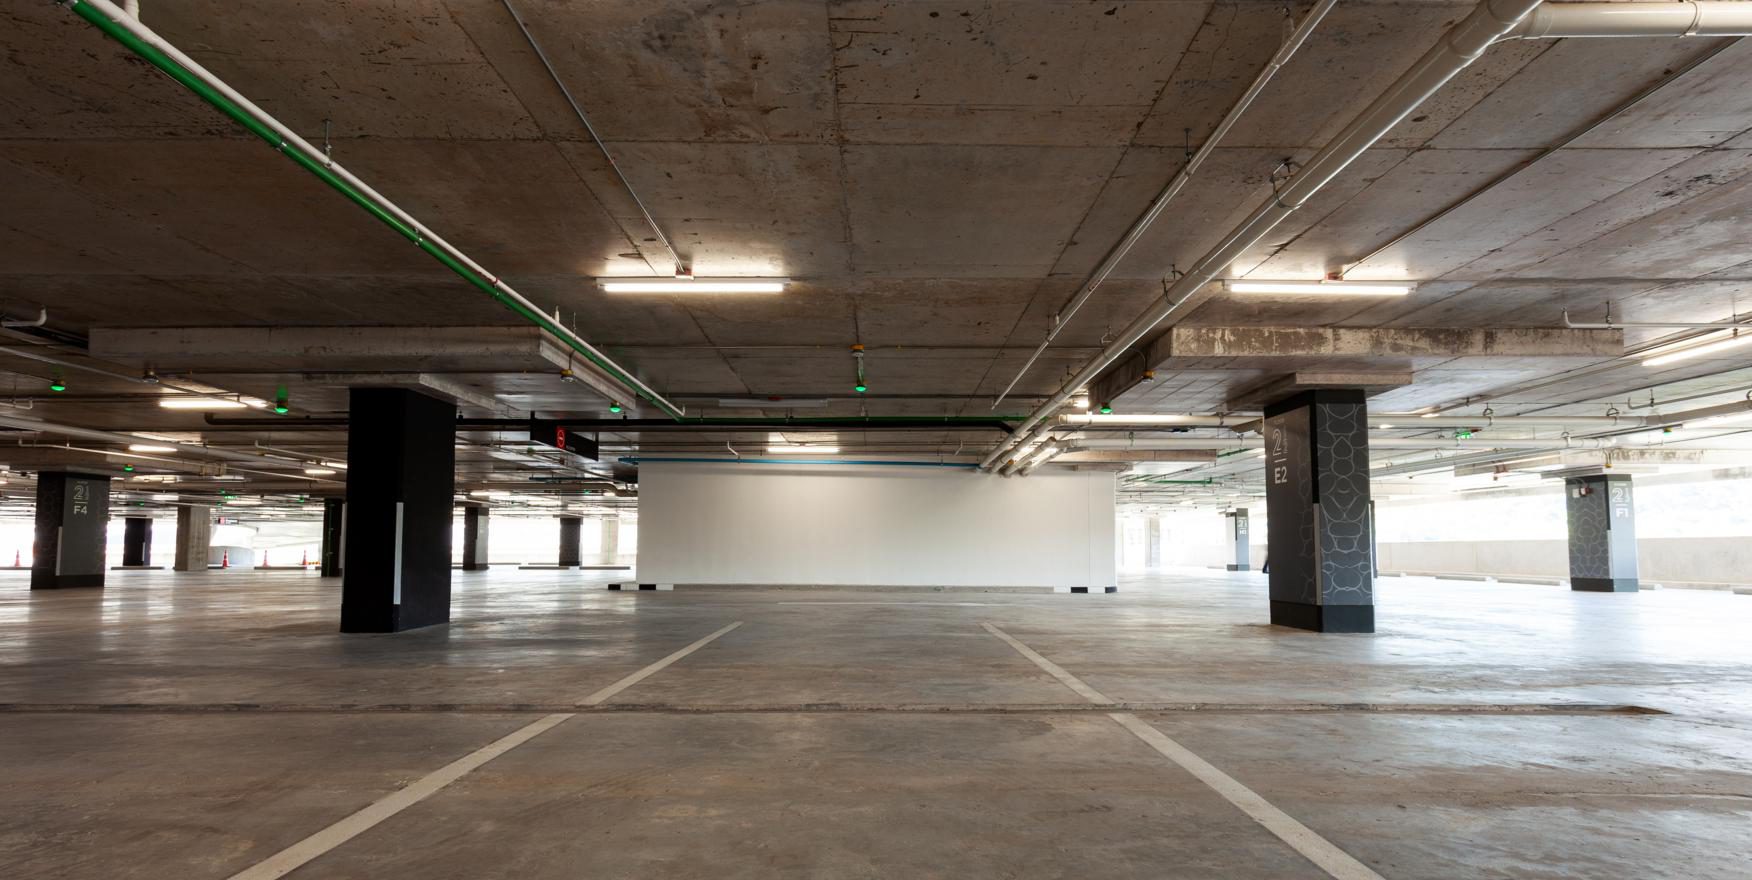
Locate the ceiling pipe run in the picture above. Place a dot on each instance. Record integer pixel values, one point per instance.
(25, 424)
(1458, 48)
(141, 40)
(1691, 18)
(1114, 256)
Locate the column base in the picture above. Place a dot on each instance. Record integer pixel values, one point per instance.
(1324, 618)
(1603, 585)
(65, 581)
(477, 566)
(1233, 567)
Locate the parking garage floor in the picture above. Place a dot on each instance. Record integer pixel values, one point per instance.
(216, 725)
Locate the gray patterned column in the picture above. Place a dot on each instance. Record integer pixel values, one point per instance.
(1318, 530)
(1602, 533)
(1239, 537)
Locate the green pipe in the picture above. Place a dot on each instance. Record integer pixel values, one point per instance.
(206, 93)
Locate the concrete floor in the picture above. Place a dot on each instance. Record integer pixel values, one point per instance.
(267, 727)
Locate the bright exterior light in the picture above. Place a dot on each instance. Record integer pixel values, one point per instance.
(1721, 344)
(318, 472)
(692, 285)
(200, 403)
(148, 447)
(1324, 288)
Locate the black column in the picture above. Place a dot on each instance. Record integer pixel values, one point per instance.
(401, 466)
(1602, 533)
(137, 540)
(72, 516)
(571, 540)
(1240, 555)
(474, 538)
(1317, 512)
(334, 521)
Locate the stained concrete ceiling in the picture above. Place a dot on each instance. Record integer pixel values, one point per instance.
(937, 177)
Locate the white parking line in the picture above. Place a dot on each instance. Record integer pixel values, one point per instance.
(1334, 861)
(297, 855)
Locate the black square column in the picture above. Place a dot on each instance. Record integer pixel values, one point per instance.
(137, 540)
(401, 473)
(1602, 533)
(474, 537)
(72, 520)
(334, 537)
(1240, 553)
(1318, 530)
(571, 541)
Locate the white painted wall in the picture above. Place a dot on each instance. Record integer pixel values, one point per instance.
(873, 525)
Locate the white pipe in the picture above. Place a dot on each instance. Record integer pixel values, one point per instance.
(1458, 48)
(1476, 444)
(1688, 18)
(1403, 421)
(1111, 261)
(41, 319)
(291, 139)
(42, 427)
(1156, 419)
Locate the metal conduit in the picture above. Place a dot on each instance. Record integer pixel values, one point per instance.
(1114, 256)
(1458, 48)
(1689, 18)
(142, 41)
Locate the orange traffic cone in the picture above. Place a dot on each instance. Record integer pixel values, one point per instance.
(18, 559)
(304, 559)
(225, 559)
(265, 560)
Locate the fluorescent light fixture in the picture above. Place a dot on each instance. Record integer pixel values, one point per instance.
(337, 465)
(1726, 419)
(608, 494)
(1324, 288)
(200, 403)
(1428, 415)
(164, 498)
(692, 285)
(489, 493)
(800, 449)
(244, 502)
(1669, 355)
(1384, 427)
(147, 447)
(319, 472)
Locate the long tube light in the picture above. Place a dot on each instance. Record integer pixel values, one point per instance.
(692, 285)
(1324, 288)
(201, 403)
(1669, 356)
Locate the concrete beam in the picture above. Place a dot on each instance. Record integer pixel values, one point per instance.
(1351, 342)
(1368, 381)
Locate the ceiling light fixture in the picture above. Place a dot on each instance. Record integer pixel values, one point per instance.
(147, 447)
(200, 403)
(318, 472)
(614, 406)
(685, 284)
(1668, 355)
(1324, 288)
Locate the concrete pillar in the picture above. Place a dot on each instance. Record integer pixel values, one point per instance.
(137, 540)
(571, 540)
(334, 537)
(194, 537)
(1602, 533)
(1152, 542)
(1317, 512)
(610, 551)
(401, 476)
(1240, 556)
(72, 517)
(474, 538)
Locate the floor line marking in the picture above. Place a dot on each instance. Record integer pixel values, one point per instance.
(1303, 839)
(654, 668)
(297, 855)
(1334, 861)
(1052, 669)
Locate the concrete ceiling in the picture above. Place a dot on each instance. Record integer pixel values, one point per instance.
(938, 177)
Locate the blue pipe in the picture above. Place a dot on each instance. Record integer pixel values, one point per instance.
(944, 464)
